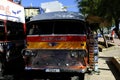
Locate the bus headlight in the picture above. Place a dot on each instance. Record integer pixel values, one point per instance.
(74, 54)
(29, 53)
(83, 70)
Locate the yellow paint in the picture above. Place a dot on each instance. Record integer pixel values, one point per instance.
(59, 45)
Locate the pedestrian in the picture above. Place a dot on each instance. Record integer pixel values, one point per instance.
(112, 35)
(34, 30)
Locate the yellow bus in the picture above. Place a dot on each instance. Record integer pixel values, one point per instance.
(57, 45)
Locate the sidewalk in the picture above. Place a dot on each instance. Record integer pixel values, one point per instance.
(116, 41)
(107, 69)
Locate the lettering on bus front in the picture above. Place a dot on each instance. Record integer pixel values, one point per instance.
(53, 39)
(6, 9)
(62, 38)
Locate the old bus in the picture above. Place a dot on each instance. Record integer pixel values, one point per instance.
(56, 45)
(12, 37)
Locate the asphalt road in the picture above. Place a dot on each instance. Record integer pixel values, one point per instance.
(10, 77)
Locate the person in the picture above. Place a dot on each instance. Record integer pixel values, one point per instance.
(34, 30)
(112, 35)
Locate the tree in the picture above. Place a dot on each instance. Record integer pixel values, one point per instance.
(111, 10)
(90, 9)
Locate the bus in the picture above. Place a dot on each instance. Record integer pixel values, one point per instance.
(12, 37)
(56, 45)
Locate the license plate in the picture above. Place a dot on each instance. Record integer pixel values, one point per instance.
(52, 70)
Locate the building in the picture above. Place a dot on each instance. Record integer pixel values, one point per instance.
(31, 11)
(52, 6)
(45, 7)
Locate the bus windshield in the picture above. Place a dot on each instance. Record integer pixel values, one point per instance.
(56, 27)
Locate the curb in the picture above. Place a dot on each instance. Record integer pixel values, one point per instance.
(102, 48)
(116, 62)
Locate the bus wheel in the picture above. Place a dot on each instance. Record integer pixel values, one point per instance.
(2, 70)
(15, 66)
(61, 78)
(80, 77)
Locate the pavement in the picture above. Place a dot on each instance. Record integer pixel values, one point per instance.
(108, 63)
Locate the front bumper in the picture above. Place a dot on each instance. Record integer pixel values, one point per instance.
(64, 62)
(57, 70)
(33, 73)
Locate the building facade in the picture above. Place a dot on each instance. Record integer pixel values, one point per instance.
(52, 6)
(31, 11)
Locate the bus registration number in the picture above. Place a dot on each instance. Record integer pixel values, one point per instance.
(52, 70)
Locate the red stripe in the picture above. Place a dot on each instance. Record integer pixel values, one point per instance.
(55, 38)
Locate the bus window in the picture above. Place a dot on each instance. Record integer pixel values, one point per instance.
(61, 27)
(57, 27)
(46, 27)
(69, 27)
(34, 30)
(15, 31)
(2, 31)
(42, 28)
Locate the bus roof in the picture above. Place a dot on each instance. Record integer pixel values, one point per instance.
(61, 15)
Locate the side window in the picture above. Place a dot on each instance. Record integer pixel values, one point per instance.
(2, 31)
(15, 31)
(34, 30)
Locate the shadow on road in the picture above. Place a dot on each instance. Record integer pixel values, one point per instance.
(114, 70)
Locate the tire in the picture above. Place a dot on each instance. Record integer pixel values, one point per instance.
(14, 66)
(61, 78)
(81, 76)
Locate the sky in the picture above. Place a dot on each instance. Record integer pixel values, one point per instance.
(72, 5)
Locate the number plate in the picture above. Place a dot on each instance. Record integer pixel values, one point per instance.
(52, 70)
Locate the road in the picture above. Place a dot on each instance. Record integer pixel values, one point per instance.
(10, 77)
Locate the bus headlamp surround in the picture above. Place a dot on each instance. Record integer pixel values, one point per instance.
(29, 53)
(76, 54)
